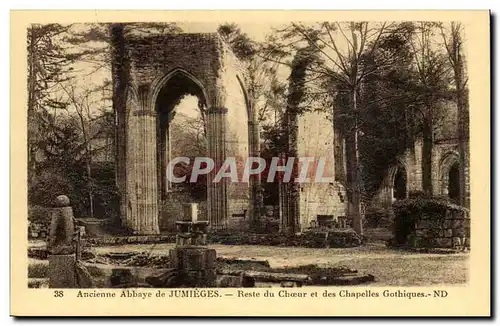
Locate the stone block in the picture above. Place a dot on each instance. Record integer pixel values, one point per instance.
(448, 233)
(459, 223)
(210, 259)
(193, 259)
(199, 240)
(175, 259)
(183, 239)
(62, 273)
(420, 232)
(122, 277)
(190, 212)
(423, 224)
(427, 243)
(443, 242)
(209, 278)
(205, 278)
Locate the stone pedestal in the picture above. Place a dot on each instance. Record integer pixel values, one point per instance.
(62, 273)
(194, 261)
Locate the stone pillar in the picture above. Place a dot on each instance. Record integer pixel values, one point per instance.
(193, 260)
(145, 221)
(120, 67)
(256, 199)
(418, 165)
(216, 192)
(61, 246)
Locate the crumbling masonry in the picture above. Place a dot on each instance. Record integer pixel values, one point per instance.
(150, 75)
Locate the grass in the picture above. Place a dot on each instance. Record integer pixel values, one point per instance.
(390, 267)
(416, 271)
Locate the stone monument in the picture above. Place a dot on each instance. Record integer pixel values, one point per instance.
(61, 246)
(191, 257)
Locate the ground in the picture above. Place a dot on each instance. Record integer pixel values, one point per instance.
(390, 267)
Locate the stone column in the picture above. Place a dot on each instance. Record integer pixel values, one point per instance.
(145, 221)
(61, 246)
(216, 192)
(255, 180)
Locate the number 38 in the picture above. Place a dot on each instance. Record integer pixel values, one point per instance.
(58, 294)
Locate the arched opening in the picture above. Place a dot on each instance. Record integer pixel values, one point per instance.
(400, 186)
(181, 132)
(454, 183)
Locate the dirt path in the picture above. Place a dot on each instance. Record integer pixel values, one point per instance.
(390, 267)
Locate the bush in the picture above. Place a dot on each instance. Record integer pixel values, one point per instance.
(410, 211)
(43, 189)
(39, 214)
(52, 182)
(377, 216)
(413, 194)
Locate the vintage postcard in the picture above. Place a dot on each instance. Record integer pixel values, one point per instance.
(250, 163)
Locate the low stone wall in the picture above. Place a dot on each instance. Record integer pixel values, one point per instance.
(336, 238)
(450, 231)
(140, 239)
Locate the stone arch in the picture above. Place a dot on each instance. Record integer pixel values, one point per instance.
(164, 66)
(164, 98)
(158, 84)
(399, 176)
(448, 161)
(248, 102)
(256, 199)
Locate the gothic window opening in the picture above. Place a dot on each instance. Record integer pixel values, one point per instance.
(181, 132)
(400, 184)
(454, 183)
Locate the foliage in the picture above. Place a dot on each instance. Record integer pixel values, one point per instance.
(266, 90)
(386, 120)
(377, 216)
(242, 45)
(48, 66)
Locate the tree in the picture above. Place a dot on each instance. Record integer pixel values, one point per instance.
(343, 48)
(432, 87)
(48, 66)
(455, 52)
(387, 102)
(86, 118)
(264, 87)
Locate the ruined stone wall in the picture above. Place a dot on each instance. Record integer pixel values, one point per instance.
(444, 155)
(154, 57)
(450, 231)
(208, 63)
(316, 139)
(237, 134)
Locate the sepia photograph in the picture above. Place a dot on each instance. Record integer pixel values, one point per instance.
(192, 155)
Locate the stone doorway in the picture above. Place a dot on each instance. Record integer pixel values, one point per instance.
(454, 183)
(400, 189)
(181, 132)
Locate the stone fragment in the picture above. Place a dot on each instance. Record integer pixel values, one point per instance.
(62, 273)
